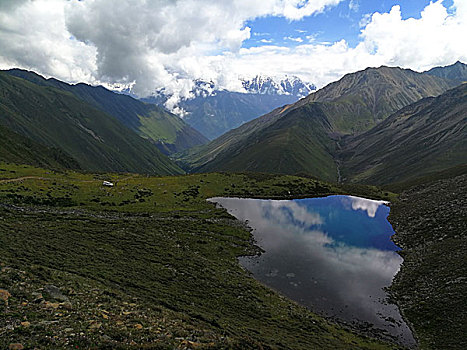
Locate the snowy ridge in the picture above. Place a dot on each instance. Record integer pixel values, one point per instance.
(262, 85)
(269, 86)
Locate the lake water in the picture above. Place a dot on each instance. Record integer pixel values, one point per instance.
(333, 255)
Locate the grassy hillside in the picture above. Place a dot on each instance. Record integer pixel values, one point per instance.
(360, 100)
(196, 157)
(291, 145)
(15, 148)
(427, 136)
(148, 263)
(273, 143)
(58, 119)
(164, 129)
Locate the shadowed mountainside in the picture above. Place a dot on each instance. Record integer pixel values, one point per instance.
(456, 71)
(16, 148)
(166, 130)
(58, 119)
(427, 136)
(430, 288)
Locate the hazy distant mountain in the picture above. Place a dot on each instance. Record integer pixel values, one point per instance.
(58, 119)
(427, 136)
(456, 71)
(166, 130)
(301, 137)
(214, 112)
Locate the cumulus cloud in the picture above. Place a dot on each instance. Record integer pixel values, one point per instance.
(169, 43)
(6, 5)
(33, 35)
(436, 38)
(285, 212)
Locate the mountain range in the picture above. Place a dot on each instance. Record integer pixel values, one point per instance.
(213, 111)
(378, 126)
(265, 85)
(88, 138)
(306, 137)
(162, 128)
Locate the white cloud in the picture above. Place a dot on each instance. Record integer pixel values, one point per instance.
(297, 9)
(436, 38)
(354, 5)
(296, 39)
(286, 212)
(365, 20)
(168, 43)
(33, 35)
(148, 43)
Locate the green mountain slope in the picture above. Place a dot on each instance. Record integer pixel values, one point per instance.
(427, 136)
(275, 144)
(456, 71)
(15, 148)
(360, 100)
(58, 119)
(302, 137)
(164, 129)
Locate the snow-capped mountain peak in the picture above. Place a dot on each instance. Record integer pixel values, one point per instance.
(286, 86)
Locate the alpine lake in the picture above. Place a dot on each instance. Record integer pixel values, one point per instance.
(333, 255)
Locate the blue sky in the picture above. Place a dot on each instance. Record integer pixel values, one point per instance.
(334, 24)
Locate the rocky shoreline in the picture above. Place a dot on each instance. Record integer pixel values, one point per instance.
(430, 221)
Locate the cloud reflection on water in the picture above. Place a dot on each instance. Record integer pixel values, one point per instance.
(328, 271)
(368, 205)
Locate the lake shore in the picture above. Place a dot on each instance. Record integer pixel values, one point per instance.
(431, 287)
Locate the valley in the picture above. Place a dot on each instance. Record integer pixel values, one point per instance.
(213, 111)
(107, 238)
(347, 123)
